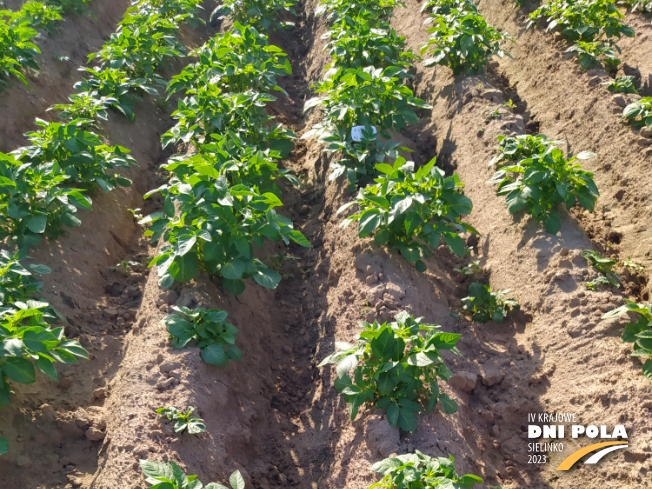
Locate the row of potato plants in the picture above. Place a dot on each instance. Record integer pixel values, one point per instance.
(394, 366)
(591, 26)
(18, 29)
(43, 185)
(364, 100)
(220, 200)
(535, 175)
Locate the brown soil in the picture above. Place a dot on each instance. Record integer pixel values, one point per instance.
(275, 416)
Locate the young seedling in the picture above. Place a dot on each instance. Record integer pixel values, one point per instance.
(639, 332)
(604, 266)
(639, 113)
(486, 305)
(418, 470)
(628, 263)
(215, 336)
(184, 420)
(622, 84)
(470, 269)
(4, 446)
(395, 366)
(510, 105)
(171, 476)
(124, 267)
(495, 115)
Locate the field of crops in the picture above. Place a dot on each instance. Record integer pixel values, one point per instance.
(323, 244)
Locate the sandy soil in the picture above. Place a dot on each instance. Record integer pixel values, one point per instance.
(275, 416)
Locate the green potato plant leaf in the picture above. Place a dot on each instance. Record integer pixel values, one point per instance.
(213, 334)
(170, 476)
(485, 305)
(411, 211)
(395, 366)
(591, 25)
(639, 333)
(184, 420)
(604, 266)
(535, 176)
(418, 470)
(460, 38)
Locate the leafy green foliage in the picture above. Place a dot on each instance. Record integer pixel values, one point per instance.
(541, 178)
(639, 113)
(412, 211)
(354, 46)
(34, 203)
(222, 200)
(126, 67)
(171, 476)
(461, 39)
(215, 336)
(238, 60)
(184, 420)
(604, 266)
(486, 305)
(639, 332)
(361, 11)
(513, 149)
(644, 6)
(17, 282)
(395, 366)
(80, 153)
(622, 84)
(262, 14)
(602, 53)
(4, 446)
(419, 471)
(25, 335)
(470, 269)
(590, 24)
(367, 97)
(17, 51)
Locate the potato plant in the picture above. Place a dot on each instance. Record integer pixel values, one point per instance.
(513, 149)
(367, 97)
(485, 305)
(145, 39)
(622, 84)
(170, 476)
(29, 343)
(363, 11)
(84, 158)
(238, 60)
(639, 113)
(17, 282)
(604, 267)
(639, 333)
(35, 202)
(411, 211)
(601, 53)
(541, 181)
(396, 367)
(462, 40)
(262, 14)
(214, 335)
(419, 471)
(221, 202)
(354, 46)
(183, 420)
(591, 25)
